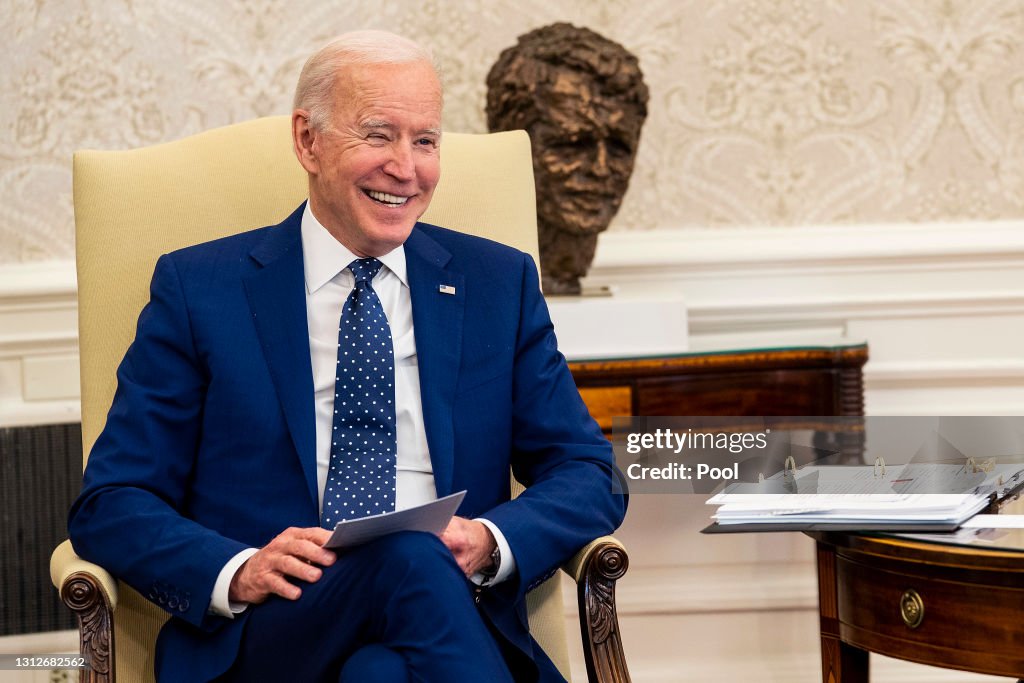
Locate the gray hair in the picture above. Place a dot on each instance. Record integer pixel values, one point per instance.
(315, 88)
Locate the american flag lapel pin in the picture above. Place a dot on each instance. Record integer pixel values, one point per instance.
(446, 289)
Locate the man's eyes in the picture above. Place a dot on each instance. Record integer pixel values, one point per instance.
(419, 142)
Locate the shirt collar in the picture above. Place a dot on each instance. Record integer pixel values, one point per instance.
(324, 257)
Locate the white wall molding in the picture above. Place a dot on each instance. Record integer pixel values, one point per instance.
(825, 273)
(940, 305)
(716, 588)
(39, 380)
(38, 307)
(880, 246)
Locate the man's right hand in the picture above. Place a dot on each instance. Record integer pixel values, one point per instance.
(294, 553)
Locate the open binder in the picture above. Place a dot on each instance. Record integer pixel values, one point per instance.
(910, 497)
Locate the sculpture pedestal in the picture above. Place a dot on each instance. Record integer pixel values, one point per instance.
(620, 325)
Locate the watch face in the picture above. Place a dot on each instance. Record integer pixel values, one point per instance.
(490, 571)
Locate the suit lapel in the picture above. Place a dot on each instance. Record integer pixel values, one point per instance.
(438, 303)
(276, 294)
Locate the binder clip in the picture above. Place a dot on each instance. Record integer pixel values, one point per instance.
(789, 468)
(986, 465)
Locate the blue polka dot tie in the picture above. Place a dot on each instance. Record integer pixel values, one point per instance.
(361, 478)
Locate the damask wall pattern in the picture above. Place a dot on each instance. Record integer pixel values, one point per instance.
(762, 112)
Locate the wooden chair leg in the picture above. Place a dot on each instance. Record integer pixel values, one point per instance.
(599, 621)
(82, 593)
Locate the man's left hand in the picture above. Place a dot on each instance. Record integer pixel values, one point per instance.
(470, 542)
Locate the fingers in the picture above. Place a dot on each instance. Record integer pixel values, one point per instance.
(289, 566)
(272, 583)
(315, 534)
(293, 554)
(306, 544)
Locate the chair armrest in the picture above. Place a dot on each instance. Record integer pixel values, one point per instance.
(595, 569)
(574, 567)
(64, 563)
(91, 593)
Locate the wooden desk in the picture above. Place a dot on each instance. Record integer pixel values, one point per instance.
(818, 380)
(968, 596)
(779, 380)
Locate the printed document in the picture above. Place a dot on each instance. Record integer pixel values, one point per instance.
(431, 517)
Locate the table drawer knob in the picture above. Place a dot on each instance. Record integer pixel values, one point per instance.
(911, 608)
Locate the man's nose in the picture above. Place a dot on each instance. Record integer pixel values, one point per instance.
(401, 165)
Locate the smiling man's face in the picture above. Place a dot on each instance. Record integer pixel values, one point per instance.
(373, 172)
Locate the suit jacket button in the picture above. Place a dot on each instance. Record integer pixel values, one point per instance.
(184, 605)
(173, 602)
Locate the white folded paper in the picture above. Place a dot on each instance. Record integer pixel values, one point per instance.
(430, 517)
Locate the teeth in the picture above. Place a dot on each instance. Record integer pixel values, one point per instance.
(394, 200)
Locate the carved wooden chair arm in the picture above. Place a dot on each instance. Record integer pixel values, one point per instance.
(595, 569)
(91, 593)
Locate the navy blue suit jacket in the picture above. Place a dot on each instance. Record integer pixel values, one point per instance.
(209, 443)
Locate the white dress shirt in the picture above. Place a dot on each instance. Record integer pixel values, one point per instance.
(328, 284)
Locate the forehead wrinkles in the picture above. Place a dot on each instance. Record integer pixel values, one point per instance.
(392, 114)
(404, 87)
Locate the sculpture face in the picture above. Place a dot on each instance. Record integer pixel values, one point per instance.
(585, 144)
(583, 101)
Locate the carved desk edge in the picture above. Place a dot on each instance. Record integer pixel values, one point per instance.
(853, 356)
(84, 596)
(968, 562)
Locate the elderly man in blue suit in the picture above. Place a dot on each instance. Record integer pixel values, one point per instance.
(347, 361)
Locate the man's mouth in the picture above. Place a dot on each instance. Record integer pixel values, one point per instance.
(385, 198)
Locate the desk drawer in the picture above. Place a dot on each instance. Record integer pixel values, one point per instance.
(962, 622)
(605, 403)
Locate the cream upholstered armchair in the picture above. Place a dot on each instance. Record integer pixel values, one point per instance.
(131, 207)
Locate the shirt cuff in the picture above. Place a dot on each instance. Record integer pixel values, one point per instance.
(220, 604)
(508, 563)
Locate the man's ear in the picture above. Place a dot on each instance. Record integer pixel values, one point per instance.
(303, 137)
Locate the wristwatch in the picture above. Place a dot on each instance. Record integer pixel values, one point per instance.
(491, 570)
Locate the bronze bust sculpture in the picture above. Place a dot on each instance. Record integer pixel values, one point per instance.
(583, 100)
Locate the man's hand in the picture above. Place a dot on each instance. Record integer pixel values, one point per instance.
(293, 553)
(470, 542)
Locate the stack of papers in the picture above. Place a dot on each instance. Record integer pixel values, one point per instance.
(871, 509)
(915, 496)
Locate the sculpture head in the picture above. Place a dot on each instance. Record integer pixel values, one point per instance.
(583, 101)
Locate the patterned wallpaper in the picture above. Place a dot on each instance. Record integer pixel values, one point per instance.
(762, 111)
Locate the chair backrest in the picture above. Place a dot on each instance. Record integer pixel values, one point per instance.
(133, 206)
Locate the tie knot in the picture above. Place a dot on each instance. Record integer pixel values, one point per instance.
(364, 269)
